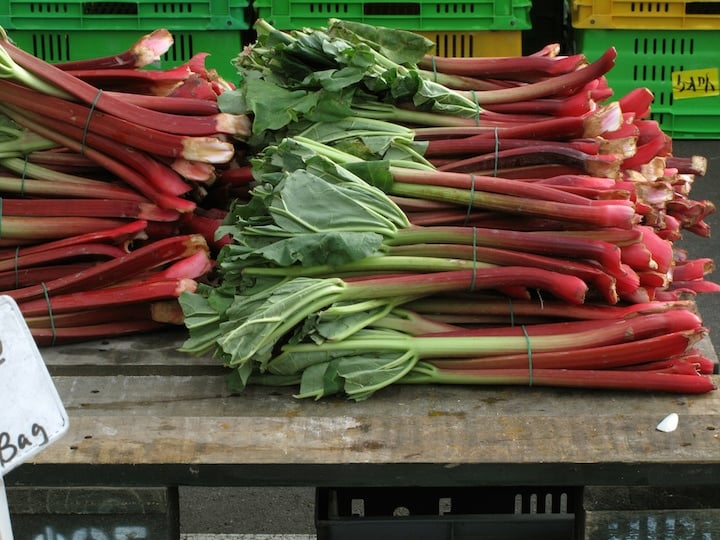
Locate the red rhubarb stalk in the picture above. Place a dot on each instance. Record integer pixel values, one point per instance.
(170, 104)
(153, 139)
(563, 128)
(45, 337)
(238, 125)
(121, 235)
(604, 283)
(424, 373)
(503, 66)
(25, 277)
(116, 270)
(78, 251)
(108, 297)
(569, 288)
(601, 357)
(129, 175)
(565, 82)
(107, 208)
(548, 243)
(617, 215)
(145, 51)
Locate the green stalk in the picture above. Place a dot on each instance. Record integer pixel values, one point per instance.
(11, 70)
(61, 188)
(413, 117)
(371, 265)
(51, 228)
(621, 216)
(290, 303)
(23, 142)
(296, 357)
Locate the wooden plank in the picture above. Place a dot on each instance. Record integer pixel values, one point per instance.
(136, 403)
(242, 430)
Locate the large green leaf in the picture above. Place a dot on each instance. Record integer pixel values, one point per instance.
(400, 46)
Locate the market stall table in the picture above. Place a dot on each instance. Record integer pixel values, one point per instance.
(144, 415)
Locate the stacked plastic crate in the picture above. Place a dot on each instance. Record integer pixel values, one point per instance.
(62, 30)
(458, 28)
(670, 47)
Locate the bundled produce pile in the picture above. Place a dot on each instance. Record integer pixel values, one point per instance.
(470, 221)
(103, 169)
(375, 215)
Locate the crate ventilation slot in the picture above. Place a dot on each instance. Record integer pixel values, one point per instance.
(320, 7)
(131, 8)
(454, 44)
(702, 8)
(110, 8)
(649, 7)
(182, 49)
(48, 7)
(691, 8)
(51, 47)
(379, 8)
(664, 46)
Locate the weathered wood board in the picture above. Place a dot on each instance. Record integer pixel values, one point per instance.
(140, 411)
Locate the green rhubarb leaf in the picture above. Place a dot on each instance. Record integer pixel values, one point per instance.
(335, 80)
(365, 375)
(325, 248)
(238, 378)
(202, 313)
(320, 380)
(263, 323)
(438, 98)
(307, 203)
(400, 46)
(353, 126)
(374, 173)
(233, 102)
(274, 107)
(290, 362)
(342, 320)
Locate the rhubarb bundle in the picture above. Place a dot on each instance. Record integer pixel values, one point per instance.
(357, 213)
(455, 221)
(107, 170)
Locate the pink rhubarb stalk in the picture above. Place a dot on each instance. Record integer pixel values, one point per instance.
(145, 51)
(116, 270)
(238, 125)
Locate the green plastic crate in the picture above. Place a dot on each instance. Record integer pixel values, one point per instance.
(125, 15)
(60, 46)
(648, 58)
(427, 15)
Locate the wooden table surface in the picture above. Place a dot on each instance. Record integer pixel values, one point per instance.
(143, 414)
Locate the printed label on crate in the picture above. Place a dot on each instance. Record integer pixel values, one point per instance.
(695, 83)
(32, 414)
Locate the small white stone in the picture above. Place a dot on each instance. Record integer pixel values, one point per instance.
(668, 424)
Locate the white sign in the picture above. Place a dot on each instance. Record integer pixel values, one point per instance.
(31, 412)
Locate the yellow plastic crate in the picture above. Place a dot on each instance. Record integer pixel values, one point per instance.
(473, 44)
(627, 14)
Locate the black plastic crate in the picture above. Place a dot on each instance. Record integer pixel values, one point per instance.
(452, 513)
(651, 512)
(55, 513)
